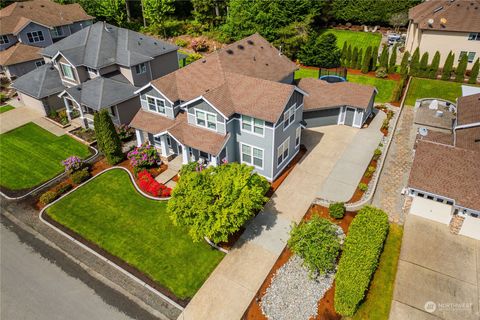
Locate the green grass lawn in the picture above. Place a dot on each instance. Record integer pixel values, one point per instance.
(6, 108)
(109, 212)
(379, 296)
(385, 87)
(30, 155)
(357, 39)
(429, 88)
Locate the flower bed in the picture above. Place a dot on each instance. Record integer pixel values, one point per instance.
(143, 157)
(87, 135)
(149, 185)
(60, 117)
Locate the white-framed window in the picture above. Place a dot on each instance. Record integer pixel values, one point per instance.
(252, 155)
(57, 31)
(289, 117)
(156, 104)
(283, 151)
(141, 68)
(206, 119)
(35, 36)
(4, 39)
(67, 71)
(253, 125)
(471, 55)
(39, 63)
(298, 133)
(474, 36)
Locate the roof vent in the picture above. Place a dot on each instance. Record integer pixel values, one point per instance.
(423, 131)
(203, 61)
(240, 47)
(250, 42)
(266, 64)
(261, 47)
(439, 113)
(43, 6)
(430, 22)
(438, 9)
(443, 22)
(79, 88)
(141, 38)
(21, 6)
(254, 59)
(155, 42)
(229, 51)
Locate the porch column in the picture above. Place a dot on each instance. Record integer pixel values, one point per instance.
(69, 110)
(163, 145)
(139, 134)
(214, 161)
(184, 154)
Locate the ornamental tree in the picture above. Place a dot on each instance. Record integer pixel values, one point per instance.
(217, 201)
(321, 51)
(415, 63)
(448, 66)
(474, 72)
(404, 63)
(393, 60)
(461, 68)
(366, 60)
(108, 141)
(423, 68)
(359, 59)
(353, 61)
(433, 70)
(384, 57)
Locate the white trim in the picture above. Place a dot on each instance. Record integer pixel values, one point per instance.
(283, 151)
(156, 105)
(26, 24)
(63, 73)
(298, 130)
(153, 87)
(301, 91)
(143, 69)
(342, 115)
(252, 164)
(253, 126)
(464, 126)
(60, 53)
(206, 119)
(293, 106)
(204, 99)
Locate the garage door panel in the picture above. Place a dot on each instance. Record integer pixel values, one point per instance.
(320, 118)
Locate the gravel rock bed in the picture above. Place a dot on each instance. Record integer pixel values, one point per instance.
(293, 293)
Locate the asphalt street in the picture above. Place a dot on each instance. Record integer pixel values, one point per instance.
(39, 282)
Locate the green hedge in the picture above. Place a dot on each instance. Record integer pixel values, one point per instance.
(362, 249)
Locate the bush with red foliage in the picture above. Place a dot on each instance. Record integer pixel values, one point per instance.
(149, 185)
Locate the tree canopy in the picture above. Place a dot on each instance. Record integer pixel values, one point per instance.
(217, 201)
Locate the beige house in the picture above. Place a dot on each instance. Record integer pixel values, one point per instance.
(444, 26)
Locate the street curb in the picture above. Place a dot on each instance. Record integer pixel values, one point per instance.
(88, 269)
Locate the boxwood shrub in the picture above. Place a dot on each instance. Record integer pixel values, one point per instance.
(361, 251)
(336, 210)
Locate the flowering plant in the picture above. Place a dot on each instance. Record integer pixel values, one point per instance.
(124, 132)
(144, 156)
(73, 163)
(149, 185)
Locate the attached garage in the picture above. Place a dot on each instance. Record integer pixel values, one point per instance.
(318, 118)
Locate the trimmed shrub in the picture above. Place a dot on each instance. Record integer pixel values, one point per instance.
(353, 62)
(73, 163)
(370, 171)
(415, 63)
(366, 60)
(393, 60)
(404, 64)
(448, 66)
(199, 45)
(377, 153)
(381, 73)
(193, 57)
(359, 60)
(432, 74)
(80, 176)
(316, 241)
(108, 141)
(48, 197)
(344, 54)
(384, 57)
(474, 72)
(461, 68)
(336, 210)
(359, 259)
(373, 62)
(423, 68)
(363, 186)
(143, 157)
(181, 42)
(149, 185)
(64, 189)
(348, 56)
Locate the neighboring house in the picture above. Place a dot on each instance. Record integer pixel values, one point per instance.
(336, 103)
(446, 165)
(29, 25)
(101, 67)
(239, 104)
(444, 26)
(20, 59)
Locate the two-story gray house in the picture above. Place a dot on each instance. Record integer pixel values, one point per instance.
(99, 67)
(236, 104)
(28, 25)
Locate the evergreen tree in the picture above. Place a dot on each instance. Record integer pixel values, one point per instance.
(404, 64)
(366, 60)
(107, 137)
(344, 53)
(414, 64)
(434, 66)
(353, 62)
(359, 59)
(423, 68)
(348, 56)
(474, 72)
(461, 68)
(384, 58)
(448, 66)
(393, 60)
(321, 51)
(156, 12)
(373, 62)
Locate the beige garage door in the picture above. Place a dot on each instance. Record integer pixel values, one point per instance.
(32, 103)
(432, 210)
(471, 227)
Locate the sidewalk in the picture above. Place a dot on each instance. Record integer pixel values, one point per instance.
(230, 288)
(349, 169)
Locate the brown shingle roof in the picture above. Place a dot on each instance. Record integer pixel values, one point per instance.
(324, 95)
(460, 15)
(251, 66)
(180, 129)
(48, 13)
(19, 53)
(468, 109)
(438, 137)
(468, 138)
(447, 171)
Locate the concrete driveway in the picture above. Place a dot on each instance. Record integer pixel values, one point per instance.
(438, 274)
(228, 291)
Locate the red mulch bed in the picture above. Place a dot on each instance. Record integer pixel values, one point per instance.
(326, 309)
(357, 195)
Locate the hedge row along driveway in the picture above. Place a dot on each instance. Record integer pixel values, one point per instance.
(31, 155)
(111, 213)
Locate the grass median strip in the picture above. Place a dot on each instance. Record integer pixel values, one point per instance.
(111, 213)
(31, 155)
(6, 108)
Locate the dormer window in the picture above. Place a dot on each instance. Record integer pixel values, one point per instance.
(40, 63)
(67, 71)
(4, 39)
(206, 119)
(156, 105)
(35, 36)
(57, 31)
(141, 68)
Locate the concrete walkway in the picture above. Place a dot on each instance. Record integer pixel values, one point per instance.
(349, 169)
(173, 167)
(228, 291)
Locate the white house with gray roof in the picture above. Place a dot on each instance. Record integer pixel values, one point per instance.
(99, 67)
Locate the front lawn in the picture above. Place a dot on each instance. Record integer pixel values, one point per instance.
(429, 88)
(379, 297)
(30, 155)
(6, 108)
(385, 87)
(357, 39)
(109, 212)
